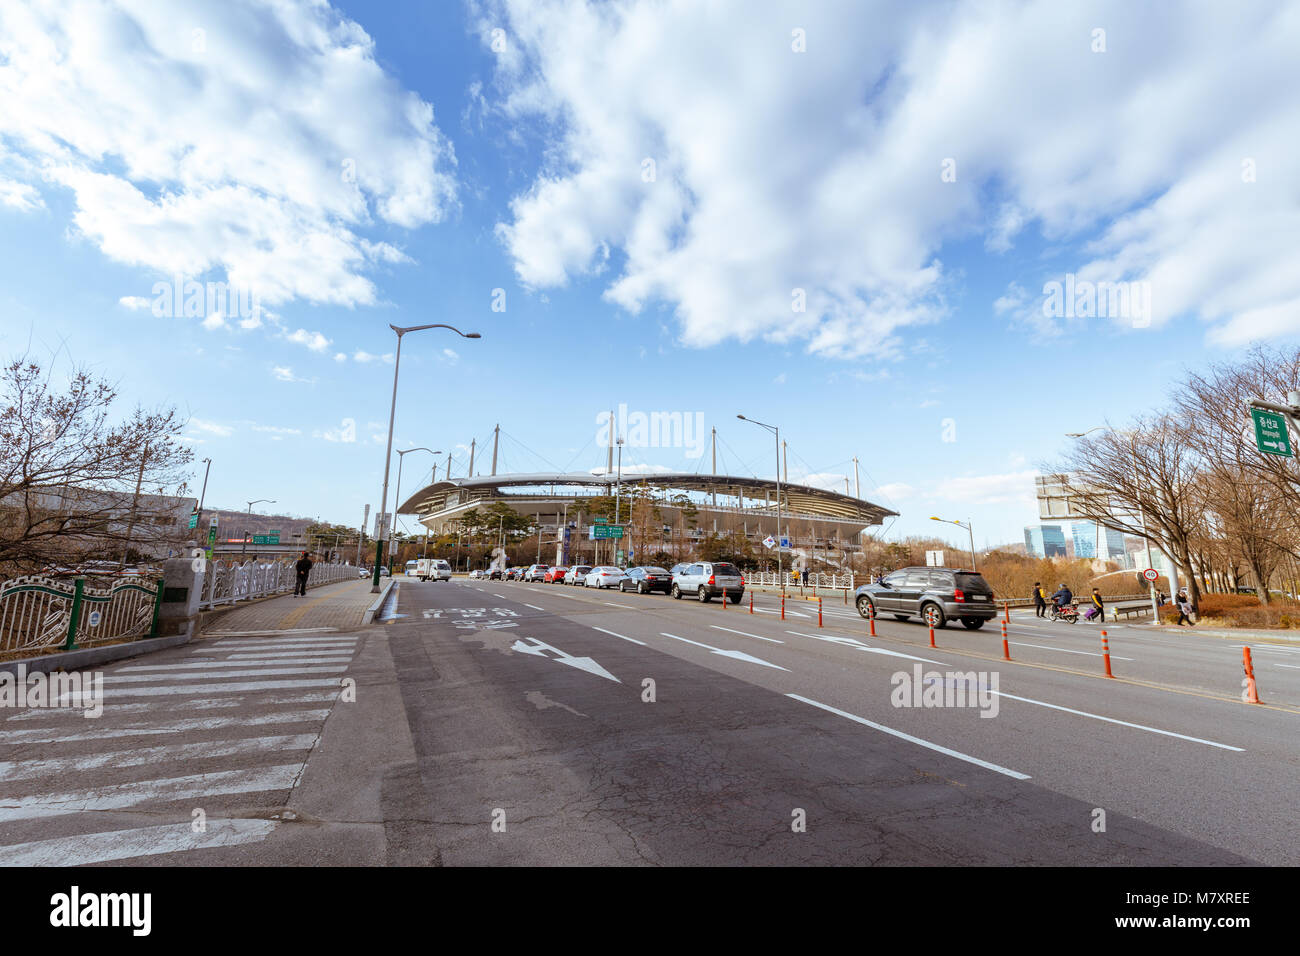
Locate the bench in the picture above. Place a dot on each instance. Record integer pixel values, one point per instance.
(1129, 608)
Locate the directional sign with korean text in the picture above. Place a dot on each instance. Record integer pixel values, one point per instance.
(600, 532)
(1270, 433)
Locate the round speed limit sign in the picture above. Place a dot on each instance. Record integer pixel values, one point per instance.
(1150, 574)
(94, 619)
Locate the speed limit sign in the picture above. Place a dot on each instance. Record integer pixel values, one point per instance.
(1150, 574)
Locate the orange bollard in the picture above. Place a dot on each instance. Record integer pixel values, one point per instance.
(932, 643)
(873, 620)
(1105, 653)
(1006, 648)
(751, 602)
(1006, 611)
(783, 607)
(1251, 694)
(724, 599)
(819, 612)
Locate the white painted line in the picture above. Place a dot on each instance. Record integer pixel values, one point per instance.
(287, 630)
(501, 596)
(52, 735)
(916, 740)
(1294, 667)
(242, 646)
(90, 848)
(26, 769)
(170, 691)
(612, 634)
(737, 655)
(113, 680)
(201, 665)
(288, 642)
(746, 634)
(1256, 648)
(626, 607)
(787, 613)
(1122, 723)
(859, 646)
(194, 786)
(1064, 650)
(535, 607)
(269, 655)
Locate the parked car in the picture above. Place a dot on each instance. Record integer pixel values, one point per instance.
(495, 574)
(535, 572)
(677, 569)
(935, 595)
(604, 576)
(554, 575)
(707, 580)
(512, 574)
(577, 574)
(645, 580)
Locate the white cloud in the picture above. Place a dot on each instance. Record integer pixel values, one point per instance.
(212, 428)
(20, 196)
(340, 356)
(134, 302)
(1011, 488)
(285, 374)
(364, 357)
(251, 139)
(313, 340)
(276, 430)
(776, 171)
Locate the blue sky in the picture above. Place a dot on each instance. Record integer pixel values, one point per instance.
(916, 176)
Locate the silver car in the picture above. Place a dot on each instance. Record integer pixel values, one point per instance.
(604, 576)
(707, 580)
(577, 574)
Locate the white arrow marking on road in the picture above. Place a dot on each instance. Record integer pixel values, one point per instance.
(738, 655)
(858, 645)
(539, 648)
(719, 627)
(432, 612)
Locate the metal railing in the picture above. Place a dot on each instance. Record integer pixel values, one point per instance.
(226, 582)
(794, 579)
(39, 613)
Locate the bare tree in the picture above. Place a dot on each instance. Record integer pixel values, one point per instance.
(69, 474)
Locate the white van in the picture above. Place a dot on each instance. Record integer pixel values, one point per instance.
(433, 568)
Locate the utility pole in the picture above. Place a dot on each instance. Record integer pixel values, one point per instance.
(785, 458)
(203, 496)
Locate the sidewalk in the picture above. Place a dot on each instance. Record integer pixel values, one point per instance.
(334, 607)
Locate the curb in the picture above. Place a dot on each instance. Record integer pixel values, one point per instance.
(369, 616)
(91, 656)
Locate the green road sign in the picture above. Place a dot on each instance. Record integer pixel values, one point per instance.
(266, 539)
(600, 521)
(1270, 433)
(600, 532)
(194, 520)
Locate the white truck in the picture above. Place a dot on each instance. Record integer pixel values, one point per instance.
(435, 569)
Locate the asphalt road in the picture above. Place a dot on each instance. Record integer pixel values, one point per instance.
(507, 723)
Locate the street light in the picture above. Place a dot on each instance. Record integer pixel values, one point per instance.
(967, 526)
(777, 432)
(398, 497)
(243, 546)
(392, 416)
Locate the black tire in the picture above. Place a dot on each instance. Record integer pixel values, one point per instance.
(735, 598)
(972, 623)
(677, 593)
(865, 606)
(933, 615)
(642, 589)
(703, 595)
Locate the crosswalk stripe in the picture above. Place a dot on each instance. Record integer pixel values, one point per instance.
(169, 691)
(271, 645)
(53, 735)
(26, 769)
(198, 665)
(125, 844)
(271, 655)
(281, 777)
(113, 680)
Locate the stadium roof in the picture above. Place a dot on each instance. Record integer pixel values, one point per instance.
(800, 499)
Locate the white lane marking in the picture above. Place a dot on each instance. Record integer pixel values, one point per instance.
(51, 735)
(535, 607)
(1256, 648)
(253, 662)
(113, 680)
(501, 596)
(282, 646)
(287, 630)
(269, 655)
(123, 795)
(1066, 650)
(859, 646)
(612, 634)
(758, 637)
(761, 610)
(1294, 667)
(125, 844)
(915, 740)
(24, 769)
(171, 691)
(738, 655)
(626, 607)
(1122, 723)
(538, 648)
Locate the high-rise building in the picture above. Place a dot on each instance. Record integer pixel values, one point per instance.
(1045, 541)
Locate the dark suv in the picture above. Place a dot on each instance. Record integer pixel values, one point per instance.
(933, 594)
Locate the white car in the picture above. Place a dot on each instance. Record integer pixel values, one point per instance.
(605, 576)
(476, 574)
(577, 575)
(536, 572)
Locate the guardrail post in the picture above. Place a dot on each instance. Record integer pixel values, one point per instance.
(77, 586)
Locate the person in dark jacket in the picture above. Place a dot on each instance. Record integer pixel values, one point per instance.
(1063, 597)
(1040, 600)
(1184, 604)
(303, 568)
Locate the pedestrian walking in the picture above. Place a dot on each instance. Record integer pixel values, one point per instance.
(1040, 600)
(303, 568)
(1098, 610)
(1184, 609)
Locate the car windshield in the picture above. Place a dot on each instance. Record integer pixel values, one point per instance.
(972, 582)
(725, 569)
(654, 570)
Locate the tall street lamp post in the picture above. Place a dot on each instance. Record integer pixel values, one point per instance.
(967, 526)
(243, 546)
(392, 416)
(780, 574)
